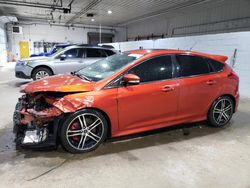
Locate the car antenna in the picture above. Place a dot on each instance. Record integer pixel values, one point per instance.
(193, 46)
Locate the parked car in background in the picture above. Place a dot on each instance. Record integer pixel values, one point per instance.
(71, 58)
(55, 49)
(124, 94)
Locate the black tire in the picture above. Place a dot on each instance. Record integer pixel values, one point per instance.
(18, 128)
(221, 112)
(77, 137)
(44, 70)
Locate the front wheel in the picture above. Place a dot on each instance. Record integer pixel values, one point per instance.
(221, 111)
(83, 131)
(40, 73)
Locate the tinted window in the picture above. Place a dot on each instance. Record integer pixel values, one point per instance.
(215, 66)
(109, 52)
(92, 52)
(159, 68)
(74, 53)
(192, 65)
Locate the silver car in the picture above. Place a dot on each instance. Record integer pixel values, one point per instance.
(69, 59)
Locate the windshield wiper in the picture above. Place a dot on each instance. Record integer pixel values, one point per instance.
(81, 76)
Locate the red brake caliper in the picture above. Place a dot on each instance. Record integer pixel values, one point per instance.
(75, 126)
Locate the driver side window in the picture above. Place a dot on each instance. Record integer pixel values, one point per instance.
(155, 69)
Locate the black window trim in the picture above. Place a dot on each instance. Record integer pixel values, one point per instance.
(205, 60)
(174, 73)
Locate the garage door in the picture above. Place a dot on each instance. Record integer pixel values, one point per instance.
(3, 56)
(94, 38)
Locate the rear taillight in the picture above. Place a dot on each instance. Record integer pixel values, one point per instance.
(234, 76)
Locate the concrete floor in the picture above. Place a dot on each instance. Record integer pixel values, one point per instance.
(193, 156)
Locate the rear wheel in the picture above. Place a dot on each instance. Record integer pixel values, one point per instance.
(41, 72)
(83, 131)
(221, 111)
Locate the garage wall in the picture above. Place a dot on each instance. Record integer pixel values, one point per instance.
(211, 17)
(47, 33)
(3, 52)
(234, 45)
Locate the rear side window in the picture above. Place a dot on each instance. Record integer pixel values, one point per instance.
(191, 65)
(92, 52)
(158, 68)
(109, 52)
(215, 66)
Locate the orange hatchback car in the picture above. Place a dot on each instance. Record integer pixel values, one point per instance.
(126, 93)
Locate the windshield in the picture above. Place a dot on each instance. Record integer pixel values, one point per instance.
(108, 66)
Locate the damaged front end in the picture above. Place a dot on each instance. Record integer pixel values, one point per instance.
(36, 121)
(45, 105)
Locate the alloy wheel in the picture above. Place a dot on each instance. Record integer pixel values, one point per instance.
(223, 111)
(85, 131)
(41, 74)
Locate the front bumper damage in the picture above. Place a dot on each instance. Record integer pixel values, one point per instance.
(38, 116)
(36, 121)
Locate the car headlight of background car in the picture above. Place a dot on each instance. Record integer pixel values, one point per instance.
(24, 63)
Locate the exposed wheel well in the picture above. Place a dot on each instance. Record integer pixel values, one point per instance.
(42, 66)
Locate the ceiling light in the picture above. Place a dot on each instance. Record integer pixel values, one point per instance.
(92, 20)
(109, 12)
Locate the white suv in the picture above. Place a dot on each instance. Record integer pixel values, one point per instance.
(69, 59)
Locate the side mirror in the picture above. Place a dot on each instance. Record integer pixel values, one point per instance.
(62, 57)
(131, 79)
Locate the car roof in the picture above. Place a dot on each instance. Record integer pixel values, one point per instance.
(104, 47)
(153, 52)
(97, 46)
(63, 45)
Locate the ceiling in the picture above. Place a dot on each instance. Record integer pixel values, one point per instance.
(123, 11)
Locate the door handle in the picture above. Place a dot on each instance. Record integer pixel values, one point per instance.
(211, 82)
(167, 88)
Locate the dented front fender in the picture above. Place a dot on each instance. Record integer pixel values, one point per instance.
(73, 103)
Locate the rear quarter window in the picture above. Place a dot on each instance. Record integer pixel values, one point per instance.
(215, 66)
(109, 52)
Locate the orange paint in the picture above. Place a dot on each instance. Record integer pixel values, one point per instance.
(136, 108)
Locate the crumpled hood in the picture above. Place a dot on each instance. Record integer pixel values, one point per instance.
(59, 83)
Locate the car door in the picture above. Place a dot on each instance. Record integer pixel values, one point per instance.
(198, 87)
(154, 100)
(70, 60)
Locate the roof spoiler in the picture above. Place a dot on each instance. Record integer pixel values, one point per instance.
(220, 57)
